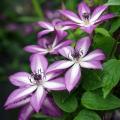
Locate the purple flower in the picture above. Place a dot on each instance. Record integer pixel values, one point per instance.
(56, 26)
(48, 45)
(77, 58)
(48, 108)
(85, 20)
(37, 84)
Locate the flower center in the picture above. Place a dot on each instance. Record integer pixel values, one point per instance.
(37, 77)
(86, 18)
(58, 27)
(77, 54)
(49, 47)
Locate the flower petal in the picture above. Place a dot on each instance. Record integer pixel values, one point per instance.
(105, 17)
(19, 94)
(20, 79)
(72, 77)
(46, 25)
(70, 15)
(63, 44)
(52, 75)
(38, 98)
(83, 45)
(91, 65)
(44, 32)
(56, 84)
(35, 49)
(83, 8)
(26, 112)
(18, 104)
(97, 12)
(94, 55)
(38, 63)
(88, 29)
(59, 65)
(50, 108)
(66, 52)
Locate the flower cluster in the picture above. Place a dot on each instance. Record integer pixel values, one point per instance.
(35, 87)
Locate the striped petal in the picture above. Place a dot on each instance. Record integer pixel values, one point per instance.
(70, 15)
(72, 77)
(38, 98)
(97, 12)
(59, 65)
(91, 64)
(83, 8)
(83, 45)
(94, 55)
(20, 79)
(38, 63)
(19, 94)
(35, 49)
(56, 84)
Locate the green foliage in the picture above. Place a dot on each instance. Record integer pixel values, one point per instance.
(103, 42)
(113, 2)
(115, 25)
(87, 115)
(91, 80)
(95, 101)
(111, 75)
(66, 101)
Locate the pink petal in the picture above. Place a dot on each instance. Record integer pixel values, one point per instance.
(91, 64)
(52, 75)
(19, 94)
(94, 55)
(26, 112)
(44, 32)
(105, 17)
(97, 12)
(66, 52)
(63, 44)
(38, 63)
(20, 79)
(50, 108)
(37, 98)
(70, 15)
(35, 49)
(83, 8)
(59, 65)
(72, 77)
(83, 45)
(56, 84)
(46, 25)
(18, 104)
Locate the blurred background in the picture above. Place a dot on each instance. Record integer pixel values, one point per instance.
(17, 29)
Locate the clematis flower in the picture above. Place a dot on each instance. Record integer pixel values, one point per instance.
(77, 58)
(37, 84)
(55, 27)
(48, 108)
(86, 20)
(48, 45)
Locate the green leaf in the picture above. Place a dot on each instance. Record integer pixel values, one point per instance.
(91, 80)
(115, 25)
(113, 2)
(111, 75)
(65, 101)
(87, 115)
(102, 31)
(104, 43)
(95, 101)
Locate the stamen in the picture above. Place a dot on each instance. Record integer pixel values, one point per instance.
(86, 16)
(37, 76)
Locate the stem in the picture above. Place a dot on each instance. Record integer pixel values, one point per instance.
(37, 9)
